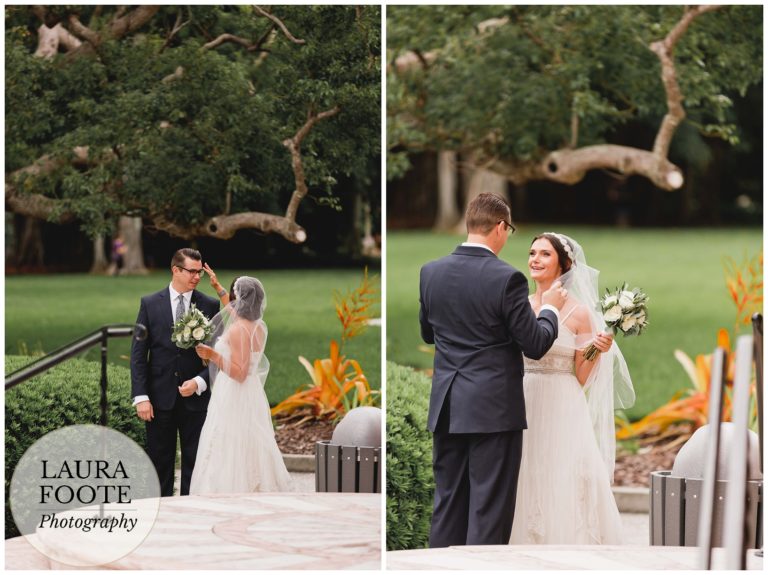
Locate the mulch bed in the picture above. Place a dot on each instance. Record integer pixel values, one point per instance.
(301, 438)
(632, 469)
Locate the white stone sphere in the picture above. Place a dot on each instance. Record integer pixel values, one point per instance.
(360, 427)
(690, 460)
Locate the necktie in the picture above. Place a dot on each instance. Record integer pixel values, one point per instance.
(180, 308)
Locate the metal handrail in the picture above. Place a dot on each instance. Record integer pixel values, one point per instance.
(101, 336)
(757, 334)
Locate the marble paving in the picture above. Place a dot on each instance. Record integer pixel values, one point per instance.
(556, 557)
(254, 531)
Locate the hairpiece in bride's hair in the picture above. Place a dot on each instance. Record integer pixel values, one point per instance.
(566, 246)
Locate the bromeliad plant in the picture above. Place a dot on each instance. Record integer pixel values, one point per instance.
(675, 421)
(337, 384)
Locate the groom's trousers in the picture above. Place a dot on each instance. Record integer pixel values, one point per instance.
(162, 432)
(475, 486)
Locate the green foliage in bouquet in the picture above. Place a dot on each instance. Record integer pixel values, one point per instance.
(68, 394)
(410, 486)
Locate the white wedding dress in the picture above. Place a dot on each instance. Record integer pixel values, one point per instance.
(237, 452)
(563, 494)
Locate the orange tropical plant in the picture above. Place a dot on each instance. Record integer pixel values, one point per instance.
(675, 421)
(745, 286)
(337, 384)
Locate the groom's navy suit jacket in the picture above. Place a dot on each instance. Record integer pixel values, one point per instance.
(475, 309)
(158, 367)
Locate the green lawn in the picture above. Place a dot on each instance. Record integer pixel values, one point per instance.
(680, 270)
(48, 311)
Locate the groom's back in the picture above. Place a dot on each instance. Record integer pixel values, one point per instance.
(463, 312)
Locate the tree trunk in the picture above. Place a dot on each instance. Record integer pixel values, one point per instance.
(31, 248)
(447, 187)
(133, 260)
(100, 263)
(481, 181)
(370, 249)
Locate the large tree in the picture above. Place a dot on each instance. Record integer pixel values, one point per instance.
(541, 92)
(201, 120)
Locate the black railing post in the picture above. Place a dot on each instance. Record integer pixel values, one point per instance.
(757, 333)
(103, 403)
(101, 336)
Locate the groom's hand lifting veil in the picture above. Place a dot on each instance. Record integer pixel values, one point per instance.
(555, 295)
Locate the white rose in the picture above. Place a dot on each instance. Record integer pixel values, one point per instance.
(610, 301)
(198, 333)
(186, 333)
(628, 323)
(192, 323)
(626, 300)
(640, 318)
(612, 314)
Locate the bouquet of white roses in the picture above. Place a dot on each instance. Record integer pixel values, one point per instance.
(624, 311)
(192, 328)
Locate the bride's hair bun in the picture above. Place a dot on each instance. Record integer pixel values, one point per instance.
(249, 294)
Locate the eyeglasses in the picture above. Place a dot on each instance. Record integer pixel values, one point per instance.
(199, 273)
(510, 227)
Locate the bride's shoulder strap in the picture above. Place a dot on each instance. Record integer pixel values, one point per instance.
(573, 309)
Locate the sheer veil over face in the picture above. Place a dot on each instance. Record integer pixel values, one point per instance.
(609, 386)
(240, 333)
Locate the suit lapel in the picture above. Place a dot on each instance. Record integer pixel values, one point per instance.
(165, 305)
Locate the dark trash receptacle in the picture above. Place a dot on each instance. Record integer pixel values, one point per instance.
(674, 511)
(351, 461)
(347, 468)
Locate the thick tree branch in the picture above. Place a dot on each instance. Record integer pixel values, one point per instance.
(34, 205)
(568, 166)
(122, 25)
(294, 146)
(223, 227)
(664, 50)
(280, 25)
(83, 31)
(250, 46)
(49, 40)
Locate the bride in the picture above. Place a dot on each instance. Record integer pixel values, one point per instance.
(564, 491)
(237, 452)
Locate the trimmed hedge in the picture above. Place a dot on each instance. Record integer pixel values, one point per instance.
(410, 485)
(68, 394)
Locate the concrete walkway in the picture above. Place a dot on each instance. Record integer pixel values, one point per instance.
(295, 530)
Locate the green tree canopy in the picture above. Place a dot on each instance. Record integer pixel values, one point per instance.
(539, 92)
(201, 119)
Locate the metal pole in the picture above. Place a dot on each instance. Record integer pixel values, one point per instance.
(757, 332)
(736, 490)
(706, 524)
(103, 403)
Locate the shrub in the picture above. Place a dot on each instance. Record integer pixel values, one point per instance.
(68, 394)
(410, 485)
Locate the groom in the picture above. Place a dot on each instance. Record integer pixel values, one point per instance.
(475, 309)
(169, 384)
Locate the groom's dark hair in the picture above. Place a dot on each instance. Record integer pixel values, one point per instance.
(184, 253)
(485, 212)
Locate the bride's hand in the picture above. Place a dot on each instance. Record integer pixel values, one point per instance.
(204, 351)
(603, 341)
